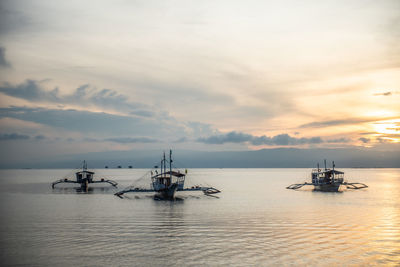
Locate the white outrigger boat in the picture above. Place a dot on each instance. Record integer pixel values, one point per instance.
(84, 178)
(328, 180)
(167, 182)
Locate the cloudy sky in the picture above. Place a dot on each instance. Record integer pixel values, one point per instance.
(78, 76)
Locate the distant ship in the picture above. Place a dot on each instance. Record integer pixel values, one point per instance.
(84, 178)
(328, 180)
(166, 182)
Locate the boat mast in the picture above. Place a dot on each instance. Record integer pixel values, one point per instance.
(165, 167)
(325, 164)
(170, 164)
(84, 165)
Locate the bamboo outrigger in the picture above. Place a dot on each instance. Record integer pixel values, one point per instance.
(328, 180)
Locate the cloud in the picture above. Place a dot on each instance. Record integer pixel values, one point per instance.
(181, 140)
(237, 137)
(13, 136)
(84, 95)
(12, 20)
(29, 90)
(16, 136)
(3, 61)
(395, 136)
(328, 123)
(127, 140)
(338, 140)
(231, 137)
(40, 137)
(384, 94)
(319, 124)
(99, 123)
(198, 129)
(388, 93)
(364, 140)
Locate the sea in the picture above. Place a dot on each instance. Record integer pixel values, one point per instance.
(254, 221)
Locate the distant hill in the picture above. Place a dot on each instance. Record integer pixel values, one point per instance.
(265, 158)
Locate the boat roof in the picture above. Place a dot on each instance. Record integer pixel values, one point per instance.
(333, 171)
(173, 173)
(85, 172)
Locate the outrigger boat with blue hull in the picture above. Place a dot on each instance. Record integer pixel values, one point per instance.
(328, 180)
(166, 183)
(84, 178)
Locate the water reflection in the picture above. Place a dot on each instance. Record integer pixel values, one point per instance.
(81, 190)
(257, 224)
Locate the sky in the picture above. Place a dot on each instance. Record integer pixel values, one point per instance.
(95, 76)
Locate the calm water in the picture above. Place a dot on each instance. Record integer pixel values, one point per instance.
(255, 221)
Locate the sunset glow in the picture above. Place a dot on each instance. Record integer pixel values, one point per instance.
(204, 76)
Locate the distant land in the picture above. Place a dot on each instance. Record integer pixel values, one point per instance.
(264, 158)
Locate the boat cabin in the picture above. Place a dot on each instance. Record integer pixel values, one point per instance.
(327, 176)
(164, 180)
(84, 175)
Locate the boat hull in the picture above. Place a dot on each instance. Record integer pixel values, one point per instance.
(327, 187)
(169, 193)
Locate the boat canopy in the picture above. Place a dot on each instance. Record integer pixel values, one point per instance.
(173, 173)
(84, 171)
(333, 171)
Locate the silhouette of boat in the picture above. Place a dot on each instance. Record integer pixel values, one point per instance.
(84, 178)
(328, 180)
(167, 182)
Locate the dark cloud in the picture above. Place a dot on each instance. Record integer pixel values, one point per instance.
(388, 93)
(338, 140)
(382, 140)
(40, 137)
(123, 140)
(84, 95)
(127, 140)
(13, 136)
(90, 139)
(231, 137)
(383, 94)
(92, 122)
(237, 137)
(364, 140)
(12, 20)
(3, 61)
(29, 90)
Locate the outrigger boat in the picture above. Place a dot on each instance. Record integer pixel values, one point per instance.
(166, 183)
(84, 178)
(328, 180)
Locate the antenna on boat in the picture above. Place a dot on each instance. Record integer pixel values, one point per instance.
(318, 166)
(333, 165)
(84, 167)
(325, 164)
